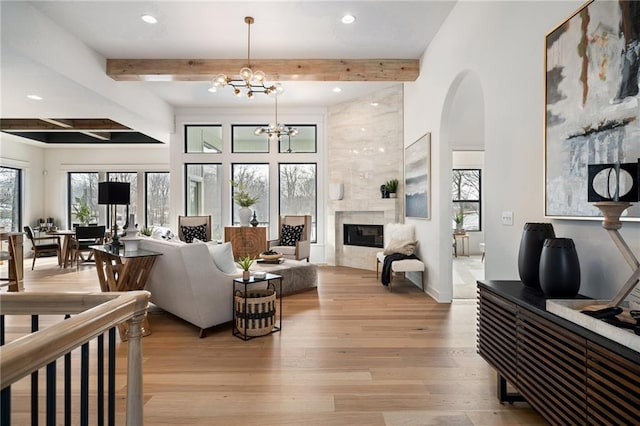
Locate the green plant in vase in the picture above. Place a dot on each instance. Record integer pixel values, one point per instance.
(81, 211)
(245, 263)
(458, 218)
(244, 200)
(392, 187)
(147, 231)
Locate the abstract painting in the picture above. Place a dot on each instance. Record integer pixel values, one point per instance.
(417, 178)
(592, 102)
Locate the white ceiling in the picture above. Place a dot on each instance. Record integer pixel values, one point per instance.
(57, 49)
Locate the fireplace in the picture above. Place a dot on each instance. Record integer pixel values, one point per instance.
(363, 235)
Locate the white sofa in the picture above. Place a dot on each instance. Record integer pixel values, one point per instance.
(186, 282)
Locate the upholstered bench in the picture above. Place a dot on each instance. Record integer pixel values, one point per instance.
(405, 265)
(398, 233)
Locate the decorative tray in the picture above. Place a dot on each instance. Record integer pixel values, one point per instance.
(570, 310)
(270, 256)
(271, 261)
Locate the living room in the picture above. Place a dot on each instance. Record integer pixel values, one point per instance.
(492, 51)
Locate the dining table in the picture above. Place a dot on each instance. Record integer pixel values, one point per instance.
(67, 234)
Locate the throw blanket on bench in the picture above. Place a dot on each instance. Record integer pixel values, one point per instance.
(386, 266)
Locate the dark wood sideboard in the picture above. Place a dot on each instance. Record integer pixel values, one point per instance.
(568, 373)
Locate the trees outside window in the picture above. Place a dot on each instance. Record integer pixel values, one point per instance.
(466, 195)
(11, 199)
(157, 199)
(298, 190)
(82, 192)
(255, 181)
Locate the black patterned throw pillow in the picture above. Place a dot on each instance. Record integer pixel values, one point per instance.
(290, 234)
(191, 232)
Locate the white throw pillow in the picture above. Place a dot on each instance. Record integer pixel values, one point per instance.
(406, 247)
(222, 256)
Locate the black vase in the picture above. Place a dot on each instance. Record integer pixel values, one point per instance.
(254, 222)
(559, 268)
(533, 236)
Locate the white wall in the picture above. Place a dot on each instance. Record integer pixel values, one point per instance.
(503, 43)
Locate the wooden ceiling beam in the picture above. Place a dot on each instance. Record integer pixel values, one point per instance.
(276, 69)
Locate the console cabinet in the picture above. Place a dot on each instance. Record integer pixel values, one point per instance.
(569, 374)
(246, 241)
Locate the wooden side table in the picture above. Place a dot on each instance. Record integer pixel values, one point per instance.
(120, 270)
(246, 241)
(464, 238)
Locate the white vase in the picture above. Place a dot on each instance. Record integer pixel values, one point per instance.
(244, 214)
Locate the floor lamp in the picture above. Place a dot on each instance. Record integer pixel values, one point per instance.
(113, 194)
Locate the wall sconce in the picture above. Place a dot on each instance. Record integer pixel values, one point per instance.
(336, 191)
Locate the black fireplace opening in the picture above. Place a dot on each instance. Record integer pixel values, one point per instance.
(363, 235)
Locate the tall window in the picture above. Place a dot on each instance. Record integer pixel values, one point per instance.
(204, 194)
(255, 180)
(11, 199)
(466, 194)
(83, 195)
(132, 208)
(298, 191)
(157, 198)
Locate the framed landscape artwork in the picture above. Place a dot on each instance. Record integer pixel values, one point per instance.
(417, 178)
(592, 102)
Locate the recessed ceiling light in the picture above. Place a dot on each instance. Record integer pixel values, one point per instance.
(337, 89)
(374, 104)
(348, 19)
(34, 97)
(149, 19)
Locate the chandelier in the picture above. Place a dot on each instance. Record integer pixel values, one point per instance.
(275, 129)
(249, 81)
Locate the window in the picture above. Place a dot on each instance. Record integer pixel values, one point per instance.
(83, 193)
(11, 199)
(244, 139)
(204, 194)
(298, 191)
(304, 141)
(205, 138)
(157, 198)
(466, 194)
(255, 180)
(124, 213)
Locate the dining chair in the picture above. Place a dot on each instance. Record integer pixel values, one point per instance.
(85, 237)
(43, 249)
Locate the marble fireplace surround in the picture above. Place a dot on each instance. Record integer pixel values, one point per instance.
(371, 212)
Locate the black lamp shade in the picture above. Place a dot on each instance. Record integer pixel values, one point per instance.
(113, 193)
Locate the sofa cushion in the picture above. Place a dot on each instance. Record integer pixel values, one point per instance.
(191, 232)
(290, 235)
(406, 247)
(222, 256)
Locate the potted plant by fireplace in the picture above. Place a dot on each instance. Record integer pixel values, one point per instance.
(392, 187)
(244, 200)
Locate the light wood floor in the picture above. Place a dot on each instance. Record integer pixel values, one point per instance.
(350, 353)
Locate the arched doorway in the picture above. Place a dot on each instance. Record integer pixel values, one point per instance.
(463, 134)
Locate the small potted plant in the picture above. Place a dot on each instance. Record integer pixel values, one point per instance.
(245, 263)
(392, 187)
(458, 218)
(147, 231)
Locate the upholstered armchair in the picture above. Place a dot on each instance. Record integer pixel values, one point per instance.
(291, 243)
(190, 227)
